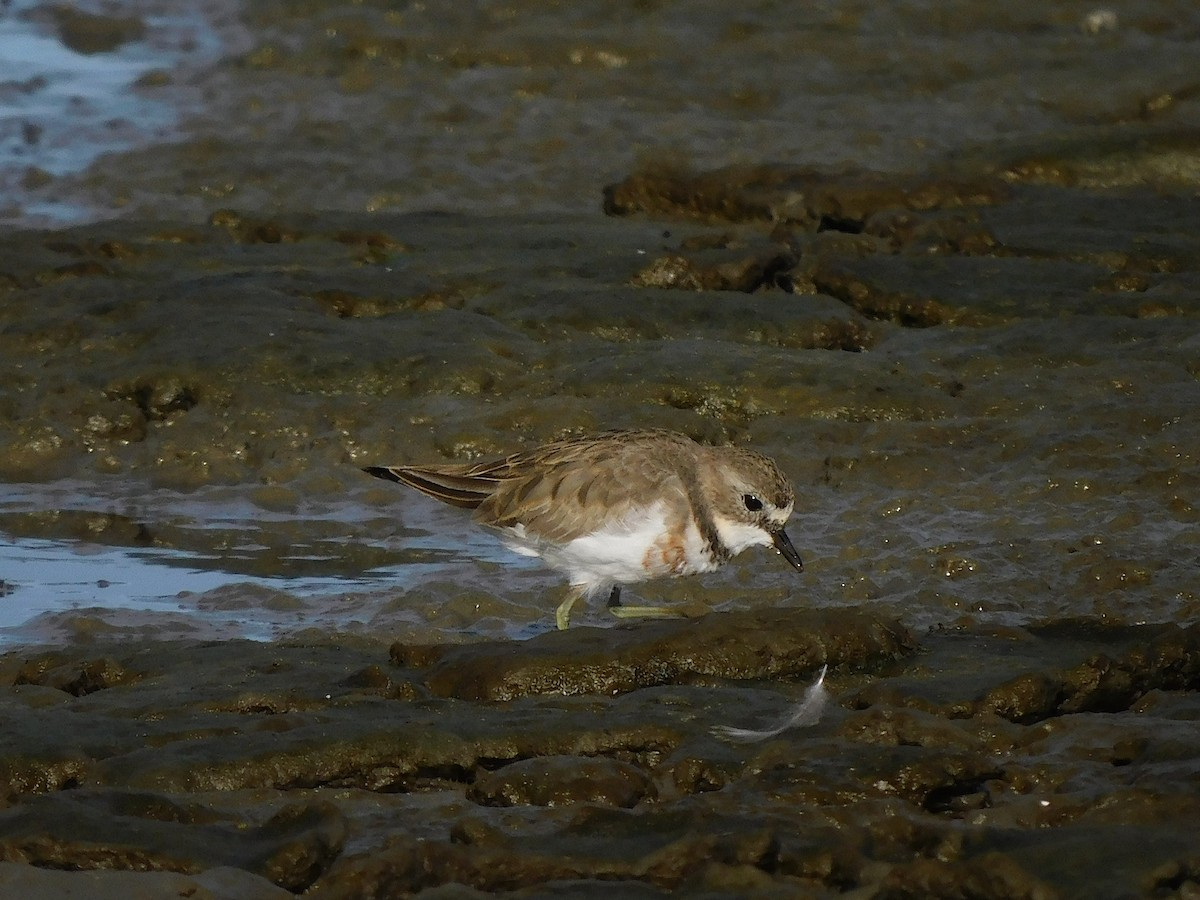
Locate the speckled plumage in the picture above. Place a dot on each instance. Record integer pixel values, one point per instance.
(619, 507)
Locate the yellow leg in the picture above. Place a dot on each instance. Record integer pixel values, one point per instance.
(645, 612)
(562, 615)
(637, 612)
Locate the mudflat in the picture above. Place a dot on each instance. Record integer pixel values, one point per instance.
(959, 305)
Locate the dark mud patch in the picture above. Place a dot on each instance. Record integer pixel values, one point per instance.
(325, 767)
(89, 33)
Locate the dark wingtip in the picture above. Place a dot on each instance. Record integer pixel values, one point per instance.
(381, 472)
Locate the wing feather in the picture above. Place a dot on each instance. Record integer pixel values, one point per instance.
(463, 491)
(561, 490)
(567, 491)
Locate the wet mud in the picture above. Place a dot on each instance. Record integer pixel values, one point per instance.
(330, 769)
(970, 749)
(974, 348)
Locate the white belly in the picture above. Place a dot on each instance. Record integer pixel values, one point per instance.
(623, 552)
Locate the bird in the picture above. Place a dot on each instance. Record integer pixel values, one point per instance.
(619, 507)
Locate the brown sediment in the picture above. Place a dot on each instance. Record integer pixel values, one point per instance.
(302, 765)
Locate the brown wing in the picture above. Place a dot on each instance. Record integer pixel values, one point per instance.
(570, 488)
(465, 485)
(563, 489)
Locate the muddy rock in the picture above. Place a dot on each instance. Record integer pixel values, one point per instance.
(1168, 659)
(88, 33)
(765, 644)
(305, 763)
(118, 830)
(664, 851)
(222, 883)
(793, 195)
(718, 271)
(554, 781)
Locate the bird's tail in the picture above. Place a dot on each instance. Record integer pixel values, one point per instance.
(455, 487)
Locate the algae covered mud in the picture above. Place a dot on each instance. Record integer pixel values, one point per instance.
(977, 359)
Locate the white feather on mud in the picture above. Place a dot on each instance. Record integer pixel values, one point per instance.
(803, 715)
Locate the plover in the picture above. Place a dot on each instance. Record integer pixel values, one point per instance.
(619, 507)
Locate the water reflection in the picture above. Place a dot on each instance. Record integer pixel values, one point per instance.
(212, 557)
(60, 108)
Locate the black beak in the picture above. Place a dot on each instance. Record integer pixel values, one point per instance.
(784, 545)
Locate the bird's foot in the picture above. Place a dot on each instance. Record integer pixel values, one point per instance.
(562, 615)
(638, 612)
(646, 612)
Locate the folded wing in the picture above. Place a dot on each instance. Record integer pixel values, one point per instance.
(459, 489)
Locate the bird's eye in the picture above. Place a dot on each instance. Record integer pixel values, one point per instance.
(752, 503)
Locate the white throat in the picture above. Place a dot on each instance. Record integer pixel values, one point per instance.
(736, 536)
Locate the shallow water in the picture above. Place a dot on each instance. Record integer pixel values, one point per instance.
(74, 89)
(208, 564)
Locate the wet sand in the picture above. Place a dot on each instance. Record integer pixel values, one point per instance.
(972, 343)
